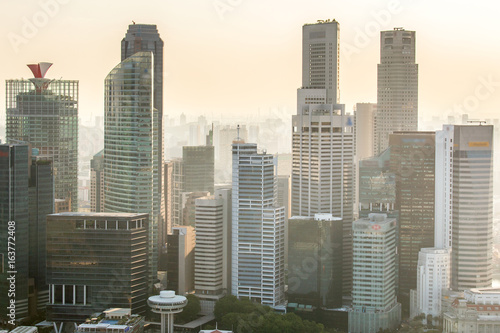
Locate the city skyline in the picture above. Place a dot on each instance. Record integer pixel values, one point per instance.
(228, 47)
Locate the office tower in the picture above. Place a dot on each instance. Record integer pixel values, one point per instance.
(41, 203)
(374, 304)
(44, 113)
(180, 259)
(97, 182)
(364, 117)
(177, 189)
(397, 86)
(188, 206)
(257, 227)
(14, 232)
(433, 276)
(198, 168)
(322, 172)
(212, 259)
(131, 152)
(145, 38)
(413, 162)
(223, 158)
(96, 261)
(315, 261)
(320, 59)
(377, 186)
(166, 227)
(464, 198)
(193, 176)
(284, 196)
(323, 137)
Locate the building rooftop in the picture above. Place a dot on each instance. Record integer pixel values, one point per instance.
(93, 214)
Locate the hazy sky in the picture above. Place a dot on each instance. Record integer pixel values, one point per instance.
(232, 57)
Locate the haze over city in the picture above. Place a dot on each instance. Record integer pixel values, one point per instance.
(235, 58)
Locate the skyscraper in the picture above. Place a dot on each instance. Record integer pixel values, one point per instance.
(412, 162)
(397, 87)
(131, 145)
(14, 217)
(145, 37)
(323, 136)
(374, 303)
(315, 261)
(464, 198)
(97, 182)
(96, 261)
(44, 113)
(198, 168)
(26, 197)
(257, 227)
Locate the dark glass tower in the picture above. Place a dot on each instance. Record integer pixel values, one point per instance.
(413, 162)
(96, 261)
(14, 205)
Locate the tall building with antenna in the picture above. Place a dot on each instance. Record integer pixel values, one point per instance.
(258, 226)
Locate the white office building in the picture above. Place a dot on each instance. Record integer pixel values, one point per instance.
(257, 227)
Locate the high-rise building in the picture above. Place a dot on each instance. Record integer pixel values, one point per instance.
(96, 261)
(257, 227)
(14, 232)
(323, 137)
(212, 258)
(180, 259)
(315, 261)
(433, 276)
(364, 117)
(26, 197)
(284, 198)
(413, 161)
(374, 304)
(222, 141)
(97, 182)
(397, 87)
(377, 186)
(44, 113)
(320, 59)
(41, 203)
(140, 38)
(464, 198)
(131, 149)
(198, 168)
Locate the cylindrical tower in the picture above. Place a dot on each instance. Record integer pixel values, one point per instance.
(167, 304)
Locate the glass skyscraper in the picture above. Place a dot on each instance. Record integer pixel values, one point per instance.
(131, 149)
(44, 113)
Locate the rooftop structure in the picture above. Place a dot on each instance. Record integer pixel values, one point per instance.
(167, 304)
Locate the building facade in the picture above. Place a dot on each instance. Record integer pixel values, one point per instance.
(96, 261)
(131, 149)
(464, 193)
(397, 87)
(97, 182)
(315, 261)
(374, 304)
(257, 258)
(44, 113)
(413, 162)
(180, 259)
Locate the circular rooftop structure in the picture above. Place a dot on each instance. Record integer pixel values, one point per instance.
(167, 302)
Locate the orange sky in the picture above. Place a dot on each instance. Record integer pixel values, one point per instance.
(233, 57)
